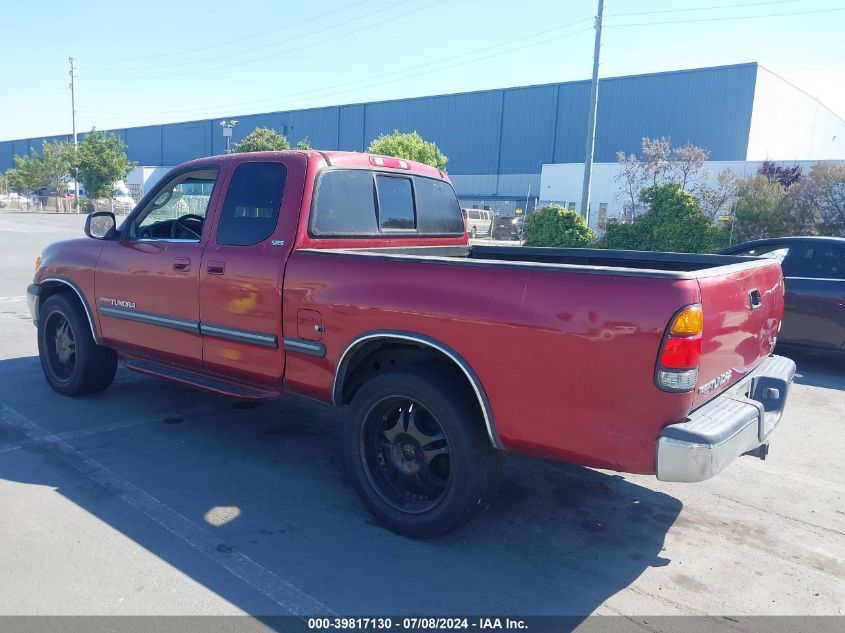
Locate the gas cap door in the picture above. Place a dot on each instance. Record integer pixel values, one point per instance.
(309, 324)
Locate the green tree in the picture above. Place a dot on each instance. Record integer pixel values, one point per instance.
(14, 181)
(765, 208)
(50, 169)
(30, 174)
(262, 139)
(58, 161)
(674, 221)
(303, 143)
(555, 226)
(823, 188)
(102, 161)
(410, 146)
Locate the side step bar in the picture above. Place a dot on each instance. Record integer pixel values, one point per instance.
(200, 381)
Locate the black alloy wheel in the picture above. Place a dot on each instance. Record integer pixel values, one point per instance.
(61, 346)
(72, 362)
(418, 451)
(406, 454)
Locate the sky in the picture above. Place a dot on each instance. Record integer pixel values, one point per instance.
(160, 61)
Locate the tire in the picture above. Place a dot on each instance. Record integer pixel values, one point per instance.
(435, 468)
(72, 362)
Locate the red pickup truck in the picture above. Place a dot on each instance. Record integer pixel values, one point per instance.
(348, 278)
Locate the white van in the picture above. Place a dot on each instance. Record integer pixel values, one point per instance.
(479, 221)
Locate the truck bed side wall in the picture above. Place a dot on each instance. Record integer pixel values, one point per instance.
(567, 360)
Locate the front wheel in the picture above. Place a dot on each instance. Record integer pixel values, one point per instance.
(72, 361)
(419, 453)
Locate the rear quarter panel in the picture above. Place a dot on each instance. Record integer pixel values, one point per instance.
(566, 359)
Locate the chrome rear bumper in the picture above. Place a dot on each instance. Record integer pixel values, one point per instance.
(728, 426)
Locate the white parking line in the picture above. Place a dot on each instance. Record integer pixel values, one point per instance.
(103, 428)
(286, 595)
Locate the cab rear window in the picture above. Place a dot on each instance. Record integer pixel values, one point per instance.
(358, 202)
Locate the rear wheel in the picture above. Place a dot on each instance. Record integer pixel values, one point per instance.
(72, 362)
(419, 453)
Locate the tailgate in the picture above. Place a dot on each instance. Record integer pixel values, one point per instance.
(742, 313)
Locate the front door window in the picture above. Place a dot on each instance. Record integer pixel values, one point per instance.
(178, 211)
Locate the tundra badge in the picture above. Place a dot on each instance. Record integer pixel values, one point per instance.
(717, 382)
(119, 303)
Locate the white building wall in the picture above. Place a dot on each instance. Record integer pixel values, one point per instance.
(789, 124)
(143, 178)
(562, 182)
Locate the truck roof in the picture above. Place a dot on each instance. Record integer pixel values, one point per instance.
(335, 159)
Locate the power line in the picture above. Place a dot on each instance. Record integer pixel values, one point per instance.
(284, 27)
(710, 8)
(263, 46)
(356, 82)
(434, 70)
(295, 49)
(729, 18)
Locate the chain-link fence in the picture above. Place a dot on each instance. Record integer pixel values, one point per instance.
(59, 204)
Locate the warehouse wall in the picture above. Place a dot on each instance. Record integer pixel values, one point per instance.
(496, 140)
(789, 124)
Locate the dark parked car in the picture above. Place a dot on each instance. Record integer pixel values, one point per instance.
(814, 270)
(507, 227)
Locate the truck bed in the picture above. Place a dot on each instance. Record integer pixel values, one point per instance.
(582, 260)
(546, 331)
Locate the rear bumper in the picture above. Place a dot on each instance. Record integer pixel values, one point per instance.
(33, 298)
(731, 424)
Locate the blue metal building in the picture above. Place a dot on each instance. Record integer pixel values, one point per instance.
(497, 140)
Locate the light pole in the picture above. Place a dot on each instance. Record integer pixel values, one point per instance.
(227, 132)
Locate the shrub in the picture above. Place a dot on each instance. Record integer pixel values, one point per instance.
(262, 139)
(674, 222)
(555, 226)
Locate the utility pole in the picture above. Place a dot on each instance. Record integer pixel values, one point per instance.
(591, 125)
(73, 96)
(73, 119)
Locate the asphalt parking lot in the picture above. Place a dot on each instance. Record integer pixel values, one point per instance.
(151, 498)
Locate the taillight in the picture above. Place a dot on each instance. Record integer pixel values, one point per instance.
(680, 354)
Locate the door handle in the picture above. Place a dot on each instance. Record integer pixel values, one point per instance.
(182, 264)
(215, 268)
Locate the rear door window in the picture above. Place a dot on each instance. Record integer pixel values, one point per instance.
(251, 209)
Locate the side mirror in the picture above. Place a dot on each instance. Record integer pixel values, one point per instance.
(101, 225)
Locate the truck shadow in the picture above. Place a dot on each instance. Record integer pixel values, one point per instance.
(818, 370)
(269, 482)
